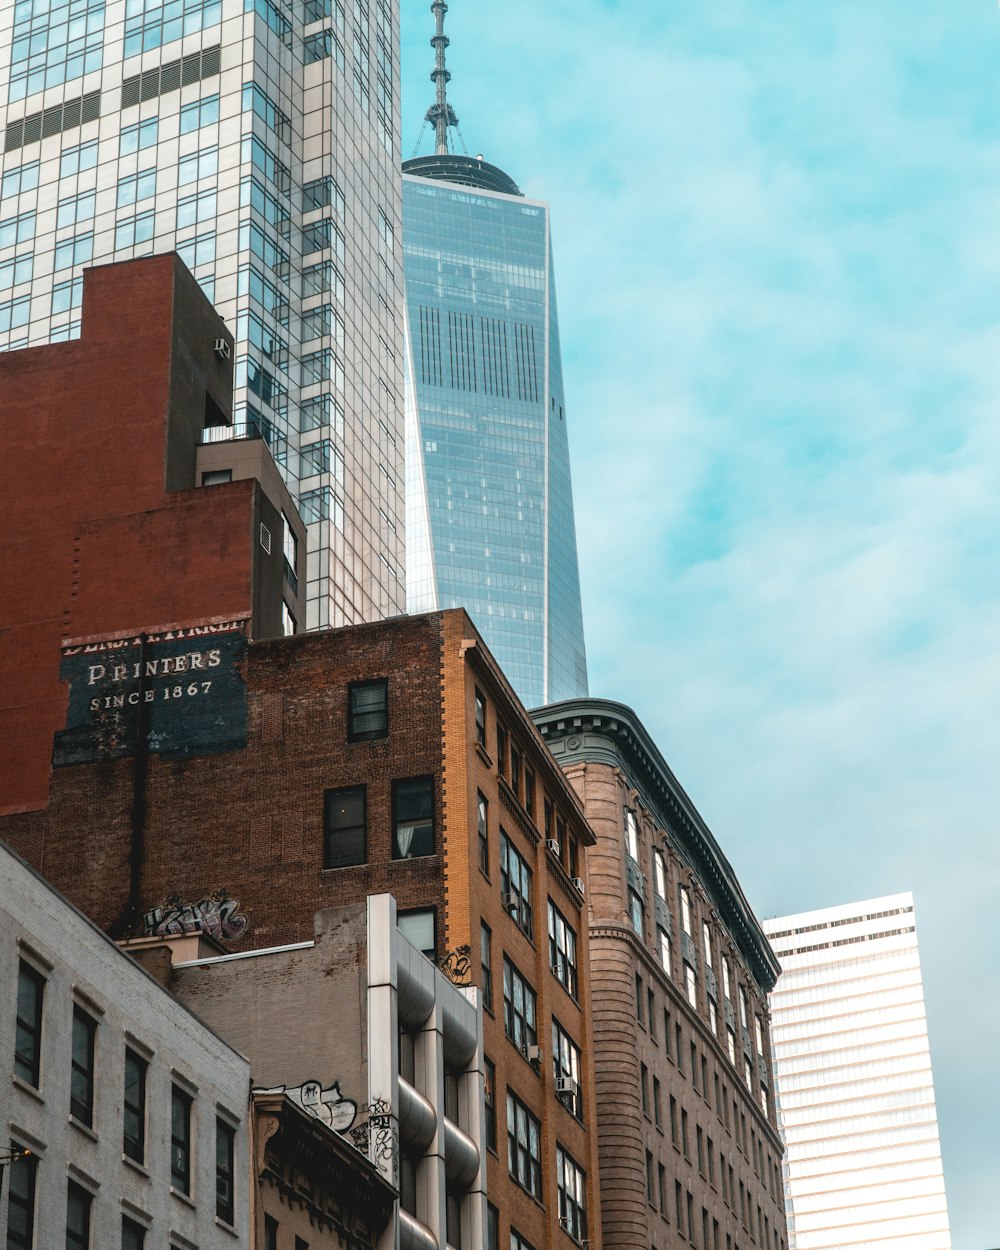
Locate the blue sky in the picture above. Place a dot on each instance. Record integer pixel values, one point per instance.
(777, 233)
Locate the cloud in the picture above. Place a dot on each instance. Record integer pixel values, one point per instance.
(777, 257)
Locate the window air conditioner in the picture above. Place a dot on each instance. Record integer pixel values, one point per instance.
(578, 882)
(222, 349)
(510, 902)
(553, 846)
(566, 1085)
(535, 1054)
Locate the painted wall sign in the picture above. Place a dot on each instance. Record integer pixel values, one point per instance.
(328, 1105)
(218, 915)
(183, 690)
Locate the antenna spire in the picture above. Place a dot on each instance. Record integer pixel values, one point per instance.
(441, 115)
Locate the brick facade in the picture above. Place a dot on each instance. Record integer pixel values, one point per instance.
(106, 533)
(689, 1155)
(252, 821)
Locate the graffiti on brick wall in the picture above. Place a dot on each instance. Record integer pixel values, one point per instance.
(377, 1137)
(328, 1105)
(218, 915)
(176, 693)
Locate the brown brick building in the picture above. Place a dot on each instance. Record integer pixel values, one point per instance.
(106, 533)
(391, 757)
(689, 1148)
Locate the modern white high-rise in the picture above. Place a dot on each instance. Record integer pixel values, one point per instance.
(259, 139)
(853, 1080)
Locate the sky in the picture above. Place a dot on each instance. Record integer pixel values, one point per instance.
(777, 250)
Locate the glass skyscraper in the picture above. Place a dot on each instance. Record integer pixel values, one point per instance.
(853, 1078)
(489, 504)
(260, 140)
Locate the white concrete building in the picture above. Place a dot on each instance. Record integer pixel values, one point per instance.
(853, 1079)
(135, 1113)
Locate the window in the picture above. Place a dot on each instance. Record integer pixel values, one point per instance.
(631, 834)
(77, 208)
(515, 885)
(137, 137)
(493, 1227)
(713, 1016)
(501, 750)
(133, 1235)
(225, 1171)
(571, 1184)
(180, 1140)
(758, 1035)
(76, 159)
(566, 1064)
(132, 189)
(197, 165)
(345, 833)
(483, 827)
(659, 874)
(529, 792)
(726, 985)
(413, 817)
(651, 1014)
(706, 934)
(747, 1073)
(518, 1008)
(650, 1184)
(270, 1233)
(199, 113)
(638, 999)
(661, 1179)
(685, 896)
(23, 178)
(28, 1038)
(744, 1008)
(691, 984)
(673, 1121)
(490, 1095)
(657, 1103)
(21, 1202)
(81, 1101)
(515, 769)
(731, 1045)
(519, 1242)
(322, 44)
(134, 230)
(481, 719)
(663, 947)
(78, 1204)
(193, 210)
(637, 912)
(524, 1146)
(323, 193)
(486, 956)
(418, 928)
(562, 949)
(368, 710)
(76, 251)
(644, 1088)
(134, 1143)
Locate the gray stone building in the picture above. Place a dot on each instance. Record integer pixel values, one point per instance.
(133, 1111)
(687, 1134)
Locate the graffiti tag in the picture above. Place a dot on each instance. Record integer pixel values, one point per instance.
(218, 915)
(328, 1105)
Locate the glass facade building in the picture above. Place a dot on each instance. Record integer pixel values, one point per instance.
(853, 1077)
(260, 140)
(489, 505)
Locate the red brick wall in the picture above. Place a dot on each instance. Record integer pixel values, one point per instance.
(91, 432)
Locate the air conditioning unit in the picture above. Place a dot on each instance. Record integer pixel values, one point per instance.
(222, 349)
(553, 846)
(535, 1054)
(566, 1085)
(578, 882)
(510, 903)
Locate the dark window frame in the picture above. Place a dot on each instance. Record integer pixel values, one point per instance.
(225, 1171)
(480, 718)
(134, 1107)
(22, 1200)
(523, 1164)
(398, 821)
(181, 1107)
(572, 1204)
(517, 1022)
(133, 1234)
(483, 830)
(353, 713)
(82, 1066)
(329, 798)
(517, 879)
(563, 958)
(486, 959)
(28, 1031)
(78, 1201)
(490, 1100)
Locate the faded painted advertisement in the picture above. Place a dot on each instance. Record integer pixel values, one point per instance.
(172, 694)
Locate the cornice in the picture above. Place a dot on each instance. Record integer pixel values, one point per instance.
(622, 742)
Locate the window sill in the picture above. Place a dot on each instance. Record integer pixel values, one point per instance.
(135, 1165)
(85, 1129)
(31, 1090)
(482, 753)
(226, 1228)
(182, 1197)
